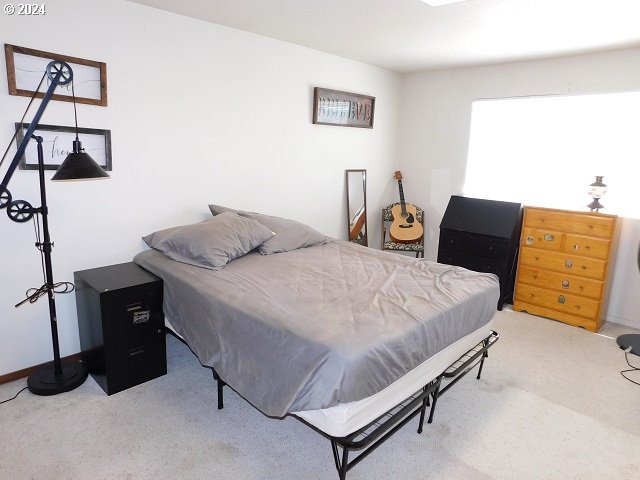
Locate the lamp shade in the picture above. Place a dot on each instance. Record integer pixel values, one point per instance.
(78, 166)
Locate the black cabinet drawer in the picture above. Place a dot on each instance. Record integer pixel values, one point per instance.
(485, 265)
(474, 244)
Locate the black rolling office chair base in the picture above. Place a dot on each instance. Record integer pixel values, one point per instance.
(630, 343)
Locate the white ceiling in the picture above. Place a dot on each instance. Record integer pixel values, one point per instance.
(410, 36)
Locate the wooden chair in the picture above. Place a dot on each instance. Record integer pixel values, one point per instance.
(389, 244)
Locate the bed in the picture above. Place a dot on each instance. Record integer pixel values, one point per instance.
(336, 334)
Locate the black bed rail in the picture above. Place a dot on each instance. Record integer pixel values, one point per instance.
(368, 438)
(468, 361)
(377, 432)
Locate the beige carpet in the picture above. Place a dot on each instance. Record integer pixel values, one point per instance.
(551, 405)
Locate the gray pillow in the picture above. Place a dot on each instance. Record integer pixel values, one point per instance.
(289, 234)
(210, 244)
(218, 209)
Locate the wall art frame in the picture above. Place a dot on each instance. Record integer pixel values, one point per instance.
(58, 143)
(25, 67)
(344, 109)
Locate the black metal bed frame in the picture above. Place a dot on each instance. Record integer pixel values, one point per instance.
(371, 436)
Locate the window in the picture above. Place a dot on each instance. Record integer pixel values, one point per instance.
(545, 151)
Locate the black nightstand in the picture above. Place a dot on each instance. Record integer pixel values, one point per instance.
(121, 325)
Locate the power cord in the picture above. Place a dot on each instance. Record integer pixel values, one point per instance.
(14, 397)
(33, 294)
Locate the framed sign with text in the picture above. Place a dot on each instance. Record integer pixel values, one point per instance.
(25, 67)
(58, 143)
(333, 107)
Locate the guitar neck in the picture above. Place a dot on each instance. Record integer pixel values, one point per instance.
(403, 205)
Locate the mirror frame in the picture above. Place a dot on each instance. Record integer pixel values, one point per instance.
(365, 226)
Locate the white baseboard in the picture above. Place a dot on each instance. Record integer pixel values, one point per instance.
(635, 323)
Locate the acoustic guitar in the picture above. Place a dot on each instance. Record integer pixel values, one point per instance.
(405, 227)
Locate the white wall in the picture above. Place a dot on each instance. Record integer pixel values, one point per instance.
(434, 137)
(199, 114)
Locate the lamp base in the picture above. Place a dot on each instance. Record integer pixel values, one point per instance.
(595, 205)
(46, 382)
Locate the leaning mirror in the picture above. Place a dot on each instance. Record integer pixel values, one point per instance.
(357, 206)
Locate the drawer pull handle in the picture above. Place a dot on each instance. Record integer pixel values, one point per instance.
(576, 247)
(565, 283)
(136, 351)
(561, 299)
(548, 237)
(529, 240)
(568, 263)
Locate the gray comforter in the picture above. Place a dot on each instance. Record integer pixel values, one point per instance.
(318, 326)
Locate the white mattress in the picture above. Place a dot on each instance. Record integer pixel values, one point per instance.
(346, 418)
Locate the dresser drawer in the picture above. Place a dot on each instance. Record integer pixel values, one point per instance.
(545, 239)
(592, 324)
(587, 246)
(562, 302)
(561, 282)
(571, 222)
(564, 263)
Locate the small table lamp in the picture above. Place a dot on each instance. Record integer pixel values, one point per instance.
(58, 376)
(597, 190)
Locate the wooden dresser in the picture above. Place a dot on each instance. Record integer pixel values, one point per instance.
(563, 265)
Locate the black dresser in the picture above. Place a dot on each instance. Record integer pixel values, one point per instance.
(121, 325)
(482, 235)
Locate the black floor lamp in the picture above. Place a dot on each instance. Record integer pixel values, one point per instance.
(58, 376)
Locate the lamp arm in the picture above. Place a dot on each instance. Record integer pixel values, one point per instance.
(56, 79)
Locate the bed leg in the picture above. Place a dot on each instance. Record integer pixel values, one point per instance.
(342, 465)
(433, 405)
(484, 355)
(345, 464)
(425, 404)
(220, 384)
